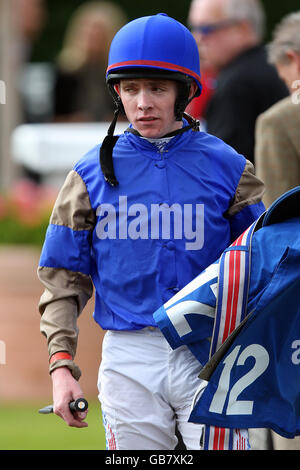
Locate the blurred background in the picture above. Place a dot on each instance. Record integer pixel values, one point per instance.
(54, 106)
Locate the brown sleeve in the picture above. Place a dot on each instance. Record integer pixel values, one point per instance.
(249, 191)
(66, 292)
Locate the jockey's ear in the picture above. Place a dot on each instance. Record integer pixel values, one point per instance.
(193, 89)
(117, 88)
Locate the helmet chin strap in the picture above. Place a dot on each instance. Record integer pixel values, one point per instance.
(106, 149)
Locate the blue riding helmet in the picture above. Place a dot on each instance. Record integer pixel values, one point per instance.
(151, 47)
(155, 46)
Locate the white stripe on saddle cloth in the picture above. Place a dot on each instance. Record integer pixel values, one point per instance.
(230, 311)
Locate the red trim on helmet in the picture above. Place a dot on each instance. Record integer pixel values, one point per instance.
(155, 63)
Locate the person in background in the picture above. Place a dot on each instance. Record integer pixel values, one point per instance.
(80, 92)
(230, 36)
(277, 148)
(31, 17)
(198, 106)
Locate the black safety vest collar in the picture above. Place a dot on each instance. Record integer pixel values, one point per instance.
(106, 149)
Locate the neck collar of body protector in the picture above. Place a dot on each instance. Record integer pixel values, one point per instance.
(106, 149)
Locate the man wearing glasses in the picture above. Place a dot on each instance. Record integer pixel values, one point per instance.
(229, 34)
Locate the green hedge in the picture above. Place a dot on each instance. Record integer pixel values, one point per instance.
(13, 231)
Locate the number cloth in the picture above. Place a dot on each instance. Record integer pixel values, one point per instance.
(253, 380)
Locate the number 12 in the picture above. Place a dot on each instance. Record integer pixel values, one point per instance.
(234, 406)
